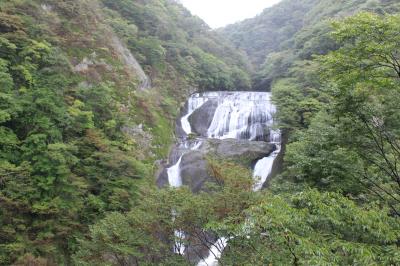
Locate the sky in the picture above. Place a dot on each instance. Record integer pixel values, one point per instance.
(219, 13)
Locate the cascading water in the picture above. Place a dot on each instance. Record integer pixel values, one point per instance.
(195, 102)
(239, 115)
(263, 167)
(174, 176)
(243, 115)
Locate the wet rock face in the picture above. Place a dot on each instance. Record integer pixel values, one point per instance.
(201, 118)
(194, 168)
(243, 151)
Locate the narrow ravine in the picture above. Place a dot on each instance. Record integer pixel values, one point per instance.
(230, 120)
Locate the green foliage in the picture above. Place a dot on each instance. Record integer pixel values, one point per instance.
(292, 31)
(341, 112)
(350, 144)
(364, 96)
(171, 40)
(145, 234)
(307, 228)
(63, 160)
(318, 158)
(313, 228)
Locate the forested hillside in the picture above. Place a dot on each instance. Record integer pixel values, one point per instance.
(81, 122)
(294, 31)
(89, 94)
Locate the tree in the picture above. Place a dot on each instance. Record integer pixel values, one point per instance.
(313, 228)
(365, 76)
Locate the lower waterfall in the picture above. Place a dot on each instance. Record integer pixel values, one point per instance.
(174, 176)
(238, 115)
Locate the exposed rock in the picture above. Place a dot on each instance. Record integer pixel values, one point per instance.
(91, 63)
(201, 118)
(194, 170)
(83, 66)
(162, 180)
(242, 150)
(130, 61)
(142, 138)
(194, 165)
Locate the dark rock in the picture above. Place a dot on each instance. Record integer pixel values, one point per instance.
(162, 180)
(180, 133)
(194, 165)
(194, 170)
(201, 118)
(243, 151)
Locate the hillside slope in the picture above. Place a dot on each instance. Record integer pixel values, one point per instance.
(294, 30)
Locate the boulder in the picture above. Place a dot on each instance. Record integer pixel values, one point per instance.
(242, 151)
(194, 165)
(200, 120)
(194, 170)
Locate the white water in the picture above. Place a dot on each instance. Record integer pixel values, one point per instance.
(175, 180)
(239, 115)
(179, 247)
(174, 174)
(263, 169)
(215, 253)
(243, 115)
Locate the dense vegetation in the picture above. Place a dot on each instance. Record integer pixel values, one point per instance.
(79, 140)
(294, 31)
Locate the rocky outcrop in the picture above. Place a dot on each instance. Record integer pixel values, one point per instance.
(243, 151)
(130, 61)
(194, 168)
(201, 118)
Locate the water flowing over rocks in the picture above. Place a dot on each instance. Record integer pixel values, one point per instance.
(235, 126)
(193, 162)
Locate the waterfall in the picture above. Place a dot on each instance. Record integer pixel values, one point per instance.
(175, 180)
(263, 169)
(239, 115)
(174, 174)
(242, 115)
